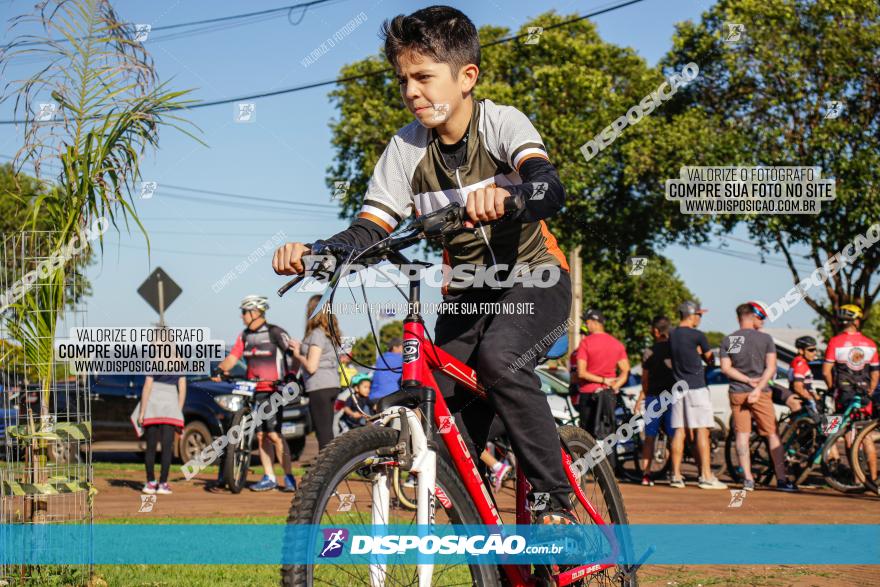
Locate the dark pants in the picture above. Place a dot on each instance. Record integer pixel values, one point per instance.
(321, 403)
(495, 346)
(156, 433)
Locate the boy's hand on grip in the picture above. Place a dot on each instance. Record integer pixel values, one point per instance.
(288, 259)
(485, 204)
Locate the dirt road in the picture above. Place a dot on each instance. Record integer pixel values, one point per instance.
(119, 497)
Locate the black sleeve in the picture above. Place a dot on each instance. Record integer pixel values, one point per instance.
(703, 342)
(361, 234)
(541, 189)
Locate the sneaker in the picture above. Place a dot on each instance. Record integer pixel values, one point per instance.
(500, 475)
(410, 482)
(677, 482)
(150, 488)
(786, 485)
(712, 483)
(647, 481)
(555, 517)
(748, 484)
(289, 484)
(265, 484)
(164, 489)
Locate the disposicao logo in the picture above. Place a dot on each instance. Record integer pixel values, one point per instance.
(334, 542)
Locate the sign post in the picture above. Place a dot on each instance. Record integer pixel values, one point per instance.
(160, 291)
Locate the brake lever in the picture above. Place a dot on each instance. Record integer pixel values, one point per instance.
(319, 266)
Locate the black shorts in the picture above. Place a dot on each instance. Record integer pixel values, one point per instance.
(273, 422)
(780, 394)
(845, 396)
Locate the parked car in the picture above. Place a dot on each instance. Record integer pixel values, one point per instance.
(208, 412)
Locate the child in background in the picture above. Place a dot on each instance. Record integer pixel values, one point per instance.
(352, 416)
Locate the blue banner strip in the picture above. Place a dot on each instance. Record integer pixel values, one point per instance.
(276, 544)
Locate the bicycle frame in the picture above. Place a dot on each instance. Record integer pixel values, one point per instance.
(420, 359)
(816, 458)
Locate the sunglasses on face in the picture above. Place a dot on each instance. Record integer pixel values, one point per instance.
(243, 312)
(812, 350)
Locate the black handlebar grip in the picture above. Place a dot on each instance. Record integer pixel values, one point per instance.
(514, 203)
(287, 286)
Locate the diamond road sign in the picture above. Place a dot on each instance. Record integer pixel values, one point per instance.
(149, 290)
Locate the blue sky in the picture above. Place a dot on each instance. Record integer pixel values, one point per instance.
(199, 237)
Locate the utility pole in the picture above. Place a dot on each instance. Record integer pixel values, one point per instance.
(574, 263)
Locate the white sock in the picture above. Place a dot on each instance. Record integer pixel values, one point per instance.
(271, 477)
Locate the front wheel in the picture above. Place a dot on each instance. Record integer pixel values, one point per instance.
(863, 455)
(338, 489)
(838, 469)
(237, 459)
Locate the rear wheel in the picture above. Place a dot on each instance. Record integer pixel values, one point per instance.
(337, 490)
(760, 462)
(601, 490)
(799, 443)
(238, 457)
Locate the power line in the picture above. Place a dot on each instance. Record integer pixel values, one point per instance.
(323, 210)
(250, 17)
(336, 81)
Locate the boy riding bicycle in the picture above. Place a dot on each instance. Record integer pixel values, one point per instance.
(476, 153)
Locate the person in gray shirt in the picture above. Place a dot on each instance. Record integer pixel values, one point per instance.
(748, 358)
(317, 355)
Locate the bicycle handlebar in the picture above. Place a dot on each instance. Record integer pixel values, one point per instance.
(446, 221)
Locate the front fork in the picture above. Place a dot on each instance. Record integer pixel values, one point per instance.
(413, 453)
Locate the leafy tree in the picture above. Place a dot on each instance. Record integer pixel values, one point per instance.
(110, 107)
(715, 337)
(769, 94)
(631, 302)
(613, 207)
(18, 193)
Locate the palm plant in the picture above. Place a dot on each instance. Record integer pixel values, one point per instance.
(106, 109)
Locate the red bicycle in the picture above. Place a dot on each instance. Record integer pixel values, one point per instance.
(350, 482)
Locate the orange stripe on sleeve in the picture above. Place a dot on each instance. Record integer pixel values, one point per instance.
(377, 220)
(531, 156)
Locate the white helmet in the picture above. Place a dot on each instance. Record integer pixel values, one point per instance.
(255, 302)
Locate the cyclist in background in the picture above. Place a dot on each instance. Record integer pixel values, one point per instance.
(852, 369)
(264, 346)
(800, 377)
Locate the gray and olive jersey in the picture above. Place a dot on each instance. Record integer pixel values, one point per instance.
(503, 150)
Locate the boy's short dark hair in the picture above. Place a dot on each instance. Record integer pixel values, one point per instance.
(744, 310)
(440, 32)
(661, 323)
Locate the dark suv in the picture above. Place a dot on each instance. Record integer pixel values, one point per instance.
(207, 412)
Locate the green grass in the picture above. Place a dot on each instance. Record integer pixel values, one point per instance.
(187, 575)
